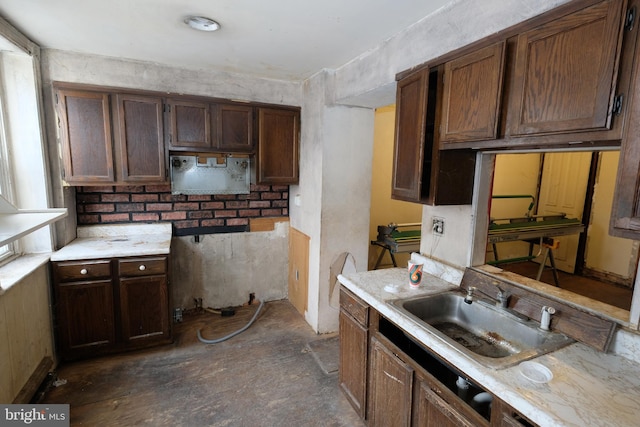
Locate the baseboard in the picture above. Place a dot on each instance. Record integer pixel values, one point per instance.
(608, 277)
(35, 380)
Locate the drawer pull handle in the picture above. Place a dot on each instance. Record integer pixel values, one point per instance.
(83, 271)
(142, 267)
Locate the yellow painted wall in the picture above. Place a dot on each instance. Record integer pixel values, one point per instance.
(25, 332)
(385, 210)
(606, 253)
(514, 174)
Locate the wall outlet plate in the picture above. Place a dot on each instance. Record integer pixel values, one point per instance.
(438, 226)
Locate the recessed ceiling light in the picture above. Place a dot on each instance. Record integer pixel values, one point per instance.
(202, 23)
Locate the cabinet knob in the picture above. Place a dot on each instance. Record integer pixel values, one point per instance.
(84, 271)
(142, 267)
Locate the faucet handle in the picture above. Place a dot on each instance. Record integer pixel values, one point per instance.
(545, 319)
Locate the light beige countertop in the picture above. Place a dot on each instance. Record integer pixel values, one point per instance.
(118, 240)
(588, 388)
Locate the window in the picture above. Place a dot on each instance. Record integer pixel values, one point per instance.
(6, 189)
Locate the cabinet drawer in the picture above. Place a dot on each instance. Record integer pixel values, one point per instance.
(82, 270)
(142, 266)
(354, 306)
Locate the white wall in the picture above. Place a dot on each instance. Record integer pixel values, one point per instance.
(335, 185)
(346, 198)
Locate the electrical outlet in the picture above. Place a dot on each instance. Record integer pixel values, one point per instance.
(438, 226)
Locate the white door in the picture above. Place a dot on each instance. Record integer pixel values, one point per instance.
(563, 189)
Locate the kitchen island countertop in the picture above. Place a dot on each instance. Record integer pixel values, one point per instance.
(118, 240)
(588, 387)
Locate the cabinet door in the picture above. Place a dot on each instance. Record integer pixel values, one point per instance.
(434, 411)
(234, 127)
(144, 306)
(566, 72)
(353, 362)
(278, 133)
(410, 151)
(85, 316)
(85, 127)
(391, 388)
(503, 415)
(472, 95)
(140, 139)
(190, 127)
(625, 211)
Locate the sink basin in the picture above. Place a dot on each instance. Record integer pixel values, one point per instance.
(491, 335)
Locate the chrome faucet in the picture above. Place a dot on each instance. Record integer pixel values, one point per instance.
(501, 299)
(469, 298)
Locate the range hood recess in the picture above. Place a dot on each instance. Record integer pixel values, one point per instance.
(210, 174)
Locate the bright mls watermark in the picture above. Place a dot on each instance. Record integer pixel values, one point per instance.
(34, 415)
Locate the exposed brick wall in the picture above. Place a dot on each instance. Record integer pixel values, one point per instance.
(154, 203)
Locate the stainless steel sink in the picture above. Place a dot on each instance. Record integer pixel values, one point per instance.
(493, 336)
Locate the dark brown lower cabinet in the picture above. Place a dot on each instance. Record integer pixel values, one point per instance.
(506, 416)
(110, 305)
(354, 350)
(406, 384)
(353, 362)
(144, 313)
(86, 317)
(391, 388)
(433, 410)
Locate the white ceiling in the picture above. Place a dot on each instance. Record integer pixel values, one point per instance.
(282, 39)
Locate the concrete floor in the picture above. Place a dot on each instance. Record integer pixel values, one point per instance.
(266, 376)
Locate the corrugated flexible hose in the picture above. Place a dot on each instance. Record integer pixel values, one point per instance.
(232, 334)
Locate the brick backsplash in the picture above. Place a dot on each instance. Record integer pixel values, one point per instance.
(190, 214)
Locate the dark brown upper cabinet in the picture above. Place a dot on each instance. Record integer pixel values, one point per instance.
(85, 129)
(110, 138)
(139, 138)
(625, 211)
(278, 145)
(189, 125)
(411, 153)
(565, 74)
(472, 94)
(421, 172)
(200, 125)
(234, 126)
